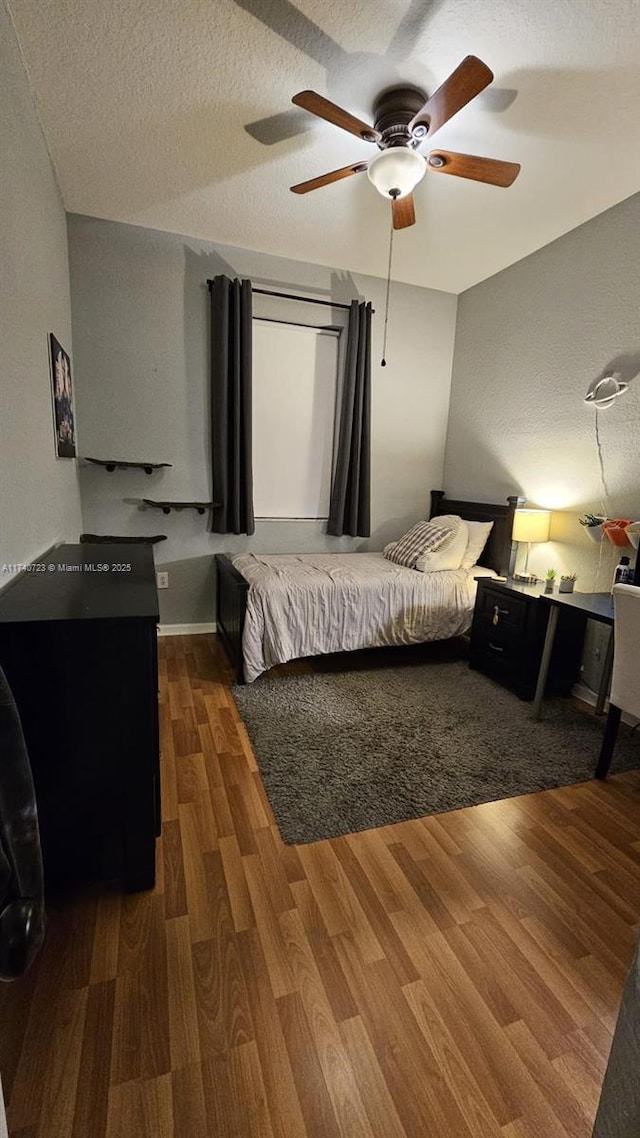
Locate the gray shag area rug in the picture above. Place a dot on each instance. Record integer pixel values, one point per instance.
(342, 751)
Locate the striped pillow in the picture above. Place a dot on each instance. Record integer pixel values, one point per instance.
(423, 537)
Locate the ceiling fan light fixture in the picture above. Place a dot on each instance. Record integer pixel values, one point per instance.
(396, 172)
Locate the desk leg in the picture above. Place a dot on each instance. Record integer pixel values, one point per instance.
(605, 678)
(552, 624)
(608, 741)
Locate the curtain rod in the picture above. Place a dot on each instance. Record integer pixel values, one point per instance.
(297, 324)
(292, 296)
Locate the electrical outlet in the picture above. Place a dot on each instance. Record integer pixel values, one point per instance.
(162, 580)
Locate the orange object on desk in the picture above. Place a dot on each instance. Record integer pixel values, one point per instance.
(615, 530)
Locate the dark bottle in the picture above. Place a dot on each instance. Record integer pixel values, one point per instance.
(623, 574)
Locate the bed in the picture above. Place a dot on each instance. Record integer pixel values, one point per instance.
(276, 608)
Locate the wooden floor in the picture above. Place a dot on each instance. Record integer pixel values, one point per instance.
(441, 978)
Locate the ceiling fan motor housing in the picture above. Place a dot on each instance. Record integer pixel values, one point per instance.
(393, 111)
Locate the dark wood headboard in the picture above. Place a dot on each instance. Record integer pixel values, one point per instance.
(498, 553)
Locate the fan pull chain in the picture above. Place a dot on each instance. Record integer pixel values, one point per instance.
(383, 361)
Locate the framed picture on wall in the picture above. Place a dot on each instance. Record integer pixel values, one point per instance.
(62, 396)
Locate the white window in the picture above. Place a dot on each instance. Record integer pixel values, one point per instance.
(295, 372)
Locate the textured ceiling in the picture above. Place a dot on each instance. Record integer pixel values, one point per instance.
(176, 114)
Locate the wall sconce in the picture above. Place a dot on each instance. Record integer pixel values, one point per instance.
(528, 526)
(603, 392)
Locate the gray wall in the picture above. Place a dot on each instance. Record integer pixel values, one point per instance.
(140, 317)
(529, 341)
(39, 497)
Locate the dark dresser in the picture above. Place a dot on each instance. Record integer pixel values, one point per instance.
(507, 638)
(78, 646)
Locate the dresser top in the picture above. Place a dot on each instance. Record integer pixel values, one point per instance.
(84, 582)
(512, 586)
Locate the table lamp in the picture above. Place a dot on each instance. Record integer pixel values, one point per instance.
(528, 526)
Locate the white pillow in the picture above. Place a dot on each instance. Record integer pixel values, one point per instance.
(449, 521)
(478, 537)
(450, 556)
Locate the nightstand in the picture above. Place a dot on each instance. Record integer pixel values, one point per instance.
(507, 638)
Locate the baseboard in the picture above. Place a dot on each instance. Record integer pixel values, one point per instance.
(587, 695)
(185, 629)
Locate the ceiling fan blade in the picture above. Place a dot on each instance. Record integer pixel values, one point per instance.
(326, 179)
(403, 212)
(468, 80)
(324, 109)
(489, 170)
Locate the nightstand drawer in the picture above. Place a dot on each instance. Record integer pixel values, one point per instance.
(502, 658)
(500, 649)
(496, 610)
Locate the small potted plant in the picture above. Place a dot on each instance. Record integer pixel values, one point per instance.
(593, 526)
(567, 581)
(549, 580)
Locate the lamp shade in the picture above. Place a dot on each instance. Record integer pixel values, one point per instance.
(396, 172)
(531, 525)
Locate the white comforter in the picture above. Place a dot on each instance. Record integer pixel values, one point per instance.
(314, 603)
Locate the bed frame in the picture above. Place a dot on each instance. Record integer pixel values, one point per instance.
(499, 555)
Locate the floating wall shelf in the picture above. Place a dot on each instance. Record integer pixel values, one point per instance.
(111, 464)
(167, 507)
(105, 538)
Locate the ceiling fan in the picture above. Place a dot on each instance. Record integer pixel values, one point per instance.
(403, 117)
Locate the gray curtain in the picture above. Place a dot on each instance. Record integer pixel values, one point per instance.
(231, 336)
(350, 510)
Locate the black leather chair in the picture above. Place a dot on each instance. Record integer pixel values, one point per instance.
(21, 876)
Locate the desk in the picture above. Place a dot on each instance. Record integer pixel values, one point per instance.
(594, 606)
